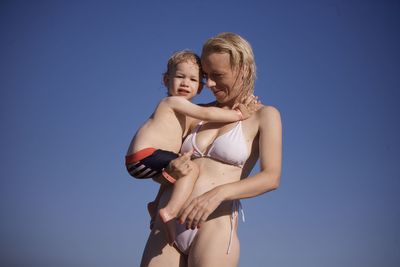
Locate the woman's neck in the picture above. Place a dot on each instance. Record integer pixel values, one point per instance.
(227, 105)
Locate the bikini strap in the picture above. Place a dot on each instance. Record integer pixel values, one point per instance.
(236, 206)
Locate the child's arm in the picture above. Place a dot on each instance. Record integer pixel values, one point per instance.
(185, 107)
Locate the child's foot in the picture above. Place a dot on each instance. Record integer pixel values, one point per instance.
(152, 209)
(169, 223)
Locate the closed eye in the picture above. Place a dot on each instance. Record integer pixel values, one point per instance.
(213, 76)
(217, 76)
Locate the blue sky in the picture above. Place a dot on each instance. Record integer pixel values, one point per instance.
(77, 78)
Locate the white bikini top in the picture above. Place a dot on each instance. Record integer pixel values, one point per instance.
(230, 147)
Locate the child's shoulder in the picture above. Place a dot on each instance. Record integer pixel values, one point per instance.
(172, 101)
(164, 103)
(167, 100)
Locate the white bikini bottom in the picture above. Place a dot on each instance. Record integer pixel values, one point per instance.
(184, 237)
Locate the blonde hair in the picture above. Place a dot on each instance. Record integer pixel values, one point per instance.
(240, 54)
(183, 56)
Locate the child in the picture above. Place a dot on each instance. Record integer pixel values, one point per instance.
(159, 140)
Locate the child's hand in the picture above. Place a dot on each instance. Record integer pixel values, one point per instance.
(248, 106)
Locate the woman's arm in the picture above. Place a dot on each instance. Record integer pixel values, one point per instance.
(185, 107)
(270, 147)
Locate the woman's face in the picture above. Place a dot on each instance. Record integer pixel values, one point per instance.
(221, 78)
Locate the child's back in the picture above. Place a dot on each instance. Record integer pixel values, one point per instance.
(164, 130)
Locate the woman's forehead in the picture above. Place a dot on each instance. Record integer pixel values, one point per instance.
(215, 62)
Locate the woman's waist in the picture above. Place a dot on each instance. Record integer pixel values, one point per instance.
(212, 175)
(225, 209)
(216, 172)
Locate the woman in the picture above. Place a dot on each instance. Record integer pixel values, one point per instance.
(225, 155)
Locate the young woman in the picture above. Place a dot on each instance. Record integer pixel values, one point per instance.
(225, 153)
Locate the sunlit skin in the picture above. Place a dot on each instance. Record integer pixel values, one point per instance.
(221, 78)
(209, 205)
(184, 80)
(169, 123)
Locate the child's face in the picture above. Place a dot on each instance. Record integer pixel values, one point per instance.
(183, 80)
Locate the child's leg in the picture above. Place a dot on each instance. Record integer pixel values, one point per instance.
(182, 189)
(153, 205)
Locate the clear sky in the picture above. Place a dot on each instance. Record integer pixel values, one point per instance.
(77, 78)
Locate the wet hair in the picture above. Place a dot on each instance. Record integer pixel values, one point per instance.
(184, 56)
(240, 54)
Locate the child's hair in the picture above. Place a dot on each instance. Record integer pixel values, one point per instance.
(184, 56)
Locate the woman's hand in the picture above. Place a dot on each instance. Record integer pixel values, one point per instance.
(198, 209)
(181, 166)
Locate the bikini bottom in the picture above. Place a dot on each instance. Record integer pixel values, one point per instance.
(184, 237)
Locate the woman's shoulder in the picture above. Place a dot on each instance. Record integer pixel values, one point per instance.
(268, 115)
(267, 111)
